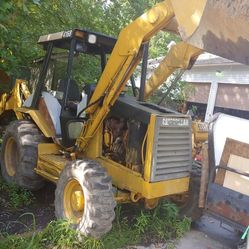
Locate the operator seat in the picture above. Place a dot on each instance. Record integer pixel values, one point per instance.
(73, 91)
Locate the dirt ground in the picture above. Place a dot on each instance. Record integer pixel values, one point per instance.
(39, 214)
(206, 233)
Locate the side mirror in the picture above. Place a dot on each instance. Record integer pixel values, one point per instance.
(74, 129)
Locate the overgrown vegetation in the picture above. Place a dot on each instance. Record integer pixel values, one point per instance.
(131, 226)
(13, 196)
(22, 22)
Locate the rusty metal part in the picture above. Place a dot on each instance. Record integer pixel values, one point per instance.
(123, 197)
(151, 203)
(204, 176)
(229, 206)
(115, 133)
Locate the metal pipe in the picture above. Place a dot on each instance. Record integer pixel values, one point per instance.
(69, 71)
(144, 71)
(204, 176)
(103, 60)
(133, 85)
(42, 77)
(177, 78)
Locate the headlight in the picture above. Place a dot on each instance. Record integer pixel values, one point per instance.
(92, 39)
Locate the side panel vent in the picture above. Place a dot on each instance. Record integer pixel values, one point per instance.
(172, 148)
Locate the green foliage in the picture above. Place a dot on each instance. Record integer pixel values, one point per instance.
(173, 96)
(15, 196)
(142, 222)
(147, 226)
(22, 22)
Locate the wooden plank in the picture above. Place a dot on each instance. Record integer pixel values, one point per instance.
(204, 176)
(233, 147)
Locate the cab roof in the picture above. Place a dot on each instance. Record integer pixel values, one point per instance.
(86, 41)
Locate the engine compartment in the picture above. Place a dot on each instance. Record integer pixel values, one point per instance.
(125, 131)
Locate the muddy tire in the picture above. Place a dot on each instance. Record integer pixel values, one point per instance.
(19, 154)
(190, 207)
(84, 196)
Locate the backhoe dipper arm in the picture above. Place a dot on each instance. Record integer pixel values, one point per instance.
(121, 64)
(180, 56)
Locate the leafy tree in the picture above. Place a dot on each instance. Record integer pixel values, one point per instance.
(23, 21)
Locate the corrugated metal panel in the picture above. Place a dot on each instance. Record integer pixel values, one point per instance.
(172, 148)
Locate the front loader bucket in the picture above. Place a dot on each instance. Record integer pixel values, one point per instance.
(219, 27)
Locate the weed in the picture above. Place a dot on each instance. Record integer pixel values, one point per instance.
(142, 222)
(90, 243)
(118, 215)
(16, 197)
(148, 226)
(61, 234)
(182, 226)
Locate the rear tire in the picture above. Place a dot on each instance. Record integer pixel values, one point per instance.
(84, 196)
(20, 153)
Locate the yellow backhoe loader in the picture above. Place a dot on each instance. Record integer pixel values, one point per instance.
(101, 147)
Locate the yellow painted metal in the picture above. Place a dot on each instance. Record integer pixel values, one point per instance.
(121, 64)
(149, 148)
(199, 136)
(51, 165)
(38, 119)
(181, 55)
(10, 159)
(73, 200)
(49, 148)
(193, 20)
(200, 131)
(127, 179)
(14, 99)
(46, 175)
(122, 197)
(50, 161)
(94, 148)
(197, 26)
(188, 14)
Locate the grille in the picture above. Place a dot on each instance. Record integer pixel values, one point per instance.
(172, 148)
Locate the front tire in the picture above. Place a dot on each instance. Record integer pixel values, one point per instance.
(84, 196)
(20, 153)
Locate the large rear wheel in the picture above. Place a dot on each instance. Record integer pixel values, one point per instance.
(19, 154)
(84, 196)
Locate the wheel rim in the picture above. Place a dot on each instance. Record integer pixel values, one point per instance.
(11, 156)
(73, 201)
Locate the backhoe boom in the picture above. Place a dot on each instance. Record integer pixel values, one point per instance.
(122, 63)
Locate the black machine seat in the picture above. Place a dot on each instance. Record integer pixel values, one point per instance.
(73, 91)
(74, 96)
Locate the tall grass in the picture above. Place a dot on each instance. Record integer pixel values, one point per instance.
(131, 226)
(15, 196)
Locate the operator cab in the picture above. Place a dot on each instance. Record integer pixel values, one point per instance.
(68, 97)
